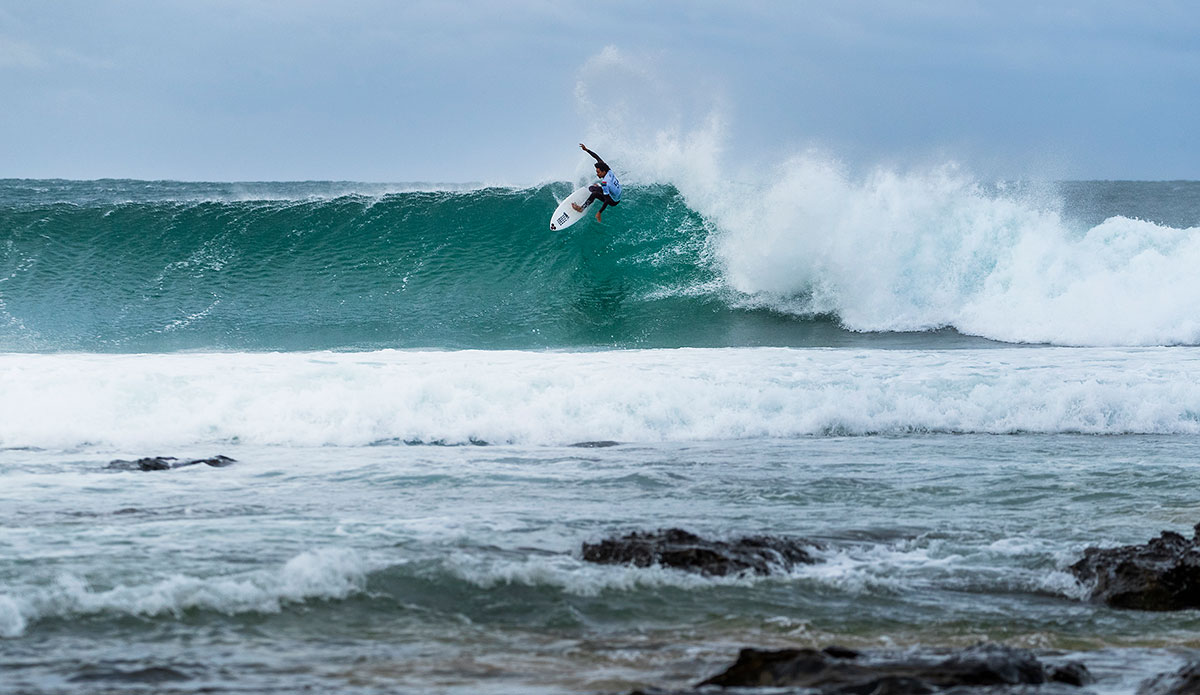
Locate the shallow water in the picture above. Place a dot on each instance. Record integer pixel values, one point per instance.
(371, 569)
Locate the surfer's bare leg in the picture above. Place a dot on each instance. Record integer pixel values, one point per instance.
(597, 192)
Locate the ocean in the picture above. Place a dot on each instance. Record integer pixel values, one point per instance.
(953, 387)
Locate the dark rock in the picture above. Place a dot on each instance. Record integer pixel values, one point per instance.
(217, 461)
(758, 667)
(682, 550)
(1162, 575)
(841, 652)
(152, 463)
(166, 463)
(153, 674)
(1070, 673)
(1185, 681)
(825, 671)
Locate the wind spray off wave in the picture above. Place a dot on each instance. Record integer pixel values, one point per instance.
(923, 251)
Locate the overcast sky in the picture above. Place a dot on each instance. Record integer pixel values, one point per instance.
(459, 90)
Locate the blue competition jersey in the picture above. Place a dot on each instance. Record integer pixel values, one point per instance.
(608, 183)
(611, 186)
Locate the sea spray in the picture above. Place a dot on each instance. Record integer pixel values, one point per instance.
(919, 251)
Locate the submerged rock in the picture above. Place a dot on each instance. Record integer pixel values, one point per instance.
(846, 671)
(166, 463)
(1162, 575)
(150, 676)
(683, 550)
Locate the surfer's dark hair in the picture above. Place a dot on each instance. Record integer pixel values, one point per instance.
(603, 167)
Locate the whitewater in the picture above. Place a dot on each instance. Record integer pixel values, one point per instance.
(954, 387)
(507, 397)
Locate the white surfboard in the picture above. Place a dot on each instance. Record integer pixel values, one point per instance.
(564, 215)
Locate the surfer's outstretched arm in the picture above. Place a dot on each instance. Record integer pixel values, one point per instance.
(599, 162)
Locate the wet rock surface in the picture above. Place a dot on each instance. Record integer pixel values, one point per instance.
(683, 550)
(1161, 575)
(166, 463)
(989, 668)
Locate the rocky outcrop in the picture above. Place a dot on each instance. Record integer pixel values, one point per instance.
(683, 550)
(846, 671)
(1162, 575)
(166, 463)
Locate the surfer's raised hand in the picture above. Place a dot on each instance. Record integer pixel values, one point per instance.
(583, 147)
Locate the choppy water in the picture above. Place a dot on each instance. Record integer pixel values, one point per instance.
(955, 389)
(408, 569)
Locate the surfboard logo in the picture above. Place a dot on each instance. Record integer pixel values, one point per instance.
(561, 218)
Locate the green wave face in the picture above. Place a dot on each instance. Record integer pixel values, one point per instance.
(468, 269)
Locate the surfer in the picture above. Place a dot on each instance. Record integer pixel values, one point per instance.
(607, 190)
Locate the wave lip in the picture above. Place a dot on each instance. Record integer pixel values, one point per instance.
(144, 402)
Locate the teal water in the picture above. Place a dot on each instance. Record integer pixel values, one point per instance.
(127, 266)
(413, 269)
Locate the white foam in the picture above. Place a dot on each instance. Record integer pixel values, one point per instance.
(876, 568)
(925, 564)
(858, 570)
(320, 574)
(12, 622)
(895, 249)
(169, 401)
(916, 251)
(579, 578)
